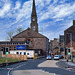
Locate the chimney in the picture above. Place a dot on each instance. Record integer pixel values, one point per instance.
(74, 22)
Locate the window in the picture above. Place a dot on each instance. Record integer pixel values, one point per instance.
(14, 48)
(27, 53)
(24, 53)
(17, 53)
(20, 53)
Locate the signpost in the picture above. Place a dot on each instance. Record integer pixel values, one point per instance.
(6, 52)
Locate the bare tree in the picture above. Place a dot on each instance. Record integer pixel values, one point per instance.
(20, 29)
(10, 35)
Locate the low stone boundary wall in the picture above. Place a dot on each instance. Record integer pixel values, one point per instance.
(15, 56)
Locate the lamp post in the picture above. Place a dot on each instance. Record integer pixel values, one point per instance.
(70, 44)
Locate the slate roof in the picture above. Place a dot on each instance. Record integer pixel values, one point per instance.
(28, 33)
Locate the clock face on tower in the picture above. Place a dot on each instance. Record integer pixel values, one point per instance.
(33, 19)
(34, 28)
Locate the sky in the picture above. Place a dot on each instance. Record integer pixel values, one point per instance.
(54, 16)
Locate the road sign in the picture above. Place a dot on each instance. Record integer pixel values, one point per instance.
(20, 47)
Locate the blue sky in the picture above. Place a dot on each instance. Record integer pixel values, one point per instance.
(54, 16)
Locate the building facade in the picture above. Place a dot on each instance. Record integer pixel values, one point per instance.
(54, 46)
(70, 38)
(61, 44)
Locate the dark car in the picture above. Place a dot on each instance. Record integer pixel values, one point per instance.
(61, 56)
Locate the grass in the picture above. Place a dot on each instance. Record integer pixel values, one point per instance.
(3, 60)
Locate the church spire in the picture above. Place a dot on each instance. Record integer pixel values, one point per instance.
(34, 25)
(33, 8)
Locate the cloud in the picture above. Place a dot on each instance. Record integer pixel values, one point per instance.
(65, 10)
(47, 2)
(58, 11)
(18, 5)
(5, 9)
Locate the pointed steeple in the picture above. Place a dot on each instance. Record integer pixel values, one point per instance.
(33, 8)
(34, 24)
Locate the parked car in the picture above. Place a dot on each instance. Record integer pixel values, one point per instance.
(48, 57)
(56, 57)
(61, 56)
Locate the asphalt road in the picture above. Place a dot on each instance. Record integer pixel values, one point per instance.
(33, 66)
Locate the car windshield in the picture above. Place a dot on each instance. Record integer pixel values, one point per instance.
(48, 56)
(56, 56)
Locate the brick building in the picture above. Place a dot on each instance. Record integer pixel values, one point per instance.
(30, 37)
(54, 46)
(70, 38)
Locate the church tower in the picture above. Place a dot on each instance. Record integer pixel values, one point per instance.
(34, 25)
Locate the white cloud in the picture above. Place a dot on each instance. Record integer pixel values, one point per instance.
(47, 2)
(58, 11)
(18, 5)
(66, 10)
(62, 1)
(25, 11)
(5, 10)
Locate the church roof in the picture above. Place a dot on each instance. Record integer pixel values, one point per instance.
(28, 33)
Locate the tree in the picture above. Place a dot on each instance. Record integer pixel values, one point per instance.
(13, 33)
(10, 35)
(20, 29)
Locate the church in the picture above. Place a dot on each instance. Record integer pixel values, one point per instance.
(30, 37)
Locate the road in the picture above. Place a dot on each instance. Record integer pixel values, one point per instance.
(35, 67)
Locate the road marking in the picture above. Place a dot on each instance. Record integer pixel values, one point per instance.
(47, 72)
(14, 68)
(5, 68)
(68, 68)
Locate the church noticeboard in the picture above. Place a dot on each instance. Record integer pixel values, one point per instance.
(20, 47)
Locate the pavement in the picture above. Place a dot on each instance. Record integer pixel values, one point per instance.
(48, 63)
(31, 72)
(66, 65)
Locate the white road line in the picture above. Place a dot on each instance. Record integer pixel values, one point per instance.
(15, 68)
(47, 72)
(54, 74)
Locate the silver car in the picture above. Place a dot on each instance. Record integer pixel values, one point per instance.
(48, 57)
(56, 57)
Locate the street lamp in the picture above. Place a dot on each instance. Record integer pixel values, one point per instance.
(71, 44)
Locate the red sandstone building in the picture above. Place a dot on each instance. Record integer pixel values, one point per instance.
(70, 38)
(30, 37)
